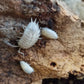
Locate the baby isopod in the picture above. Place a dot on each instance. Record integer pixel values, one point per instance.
(49, 33)
(26, 67)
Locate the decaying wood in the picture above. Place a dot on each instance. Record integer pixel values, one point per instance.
(37, 82)
(50, 58)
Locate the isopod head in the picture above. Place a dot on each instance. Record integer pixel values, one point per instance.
(49, 33)
(26, 67)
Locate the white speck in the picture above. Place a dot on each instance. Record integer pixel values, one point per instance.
(26, 67)
(28, 1)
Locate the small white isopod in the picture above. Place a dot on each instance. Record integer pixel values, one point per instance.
(49, 33)
(26, 67)
(30, 36)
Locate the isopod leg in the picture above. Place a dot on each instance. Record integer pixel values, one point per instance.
(18, 37)
(19, 51)
(40, 38)
(23, 27)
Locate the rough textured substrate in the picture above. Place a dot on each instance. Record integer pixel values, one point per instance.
(50, 58)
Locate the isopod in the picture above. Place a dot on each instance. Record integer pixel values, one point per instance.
(49, 33)
(26, 67)
(30, 36)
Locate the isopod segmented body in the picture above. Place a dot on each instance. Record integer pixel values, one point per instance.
(30, 36)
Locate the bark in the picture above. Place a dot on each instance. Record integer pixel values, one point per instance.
(49, 58)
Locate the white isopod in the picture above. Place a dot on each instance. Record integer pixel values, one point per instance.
(49, 33)
(30, 36)
(26, 67)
